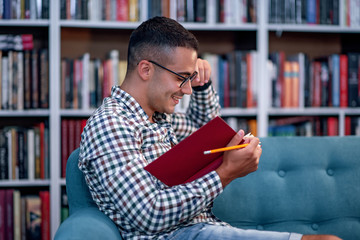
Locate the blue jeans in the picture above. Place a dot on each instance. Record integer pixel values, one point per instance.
(204, 231)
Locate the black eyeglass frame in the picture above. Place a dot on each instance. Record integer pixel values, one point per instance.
(186, 79)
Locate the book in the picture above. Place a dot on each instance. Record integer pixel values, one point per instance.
(33, 217)
(343, 80)
(64, 145)
(333, 129)
(17, 214)
(353, 79)
(122, 11)
(45, 214)
(334, 63)
(9, 213)
(2, 214)
(3, 156)
(31, 153)
(186, 161)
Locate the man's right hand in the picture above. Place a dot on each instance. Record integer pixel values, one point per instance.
(240, 162)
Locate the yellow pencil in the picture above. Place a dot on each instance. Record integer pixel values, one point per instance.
(226, 148)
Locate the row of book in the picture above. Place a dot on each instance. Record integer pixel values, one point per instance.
(248, 125)
(24, 9)
(24, 79)
(24, 216)
(234, 77)
(304, 126)
(236, 11)
(24, 152)
(298, 81)
(97, 10)
(16, 42)
(85, 82)
(313, 126)
(71, 130)
(305, 11)
(227, 11)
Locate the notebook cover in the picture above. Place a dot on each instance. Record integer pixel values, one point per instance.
(186, 161)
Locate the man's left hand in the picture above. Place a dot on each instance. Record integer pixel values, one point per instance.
(204, 70)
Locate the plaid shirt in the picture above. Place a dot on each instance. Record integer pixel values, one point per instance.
(119, 141)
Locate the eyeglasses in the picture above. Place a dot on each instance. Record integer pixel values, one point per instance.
(185, 79)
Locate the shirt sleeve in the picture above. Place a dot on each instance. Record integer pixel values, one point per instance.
(203, 107)
(122, 188)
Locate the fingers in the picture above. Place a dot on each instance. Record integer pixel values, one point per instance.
(254, 142)
(204, 71)
(236, 139)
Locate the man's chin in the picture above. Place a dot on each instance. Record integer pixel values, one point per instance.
(170, 110)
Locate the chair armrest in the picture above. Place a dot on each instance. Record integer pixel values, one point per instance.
(88, 223)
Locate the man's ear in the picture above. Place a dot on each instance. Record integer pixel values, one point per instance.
(145, 69)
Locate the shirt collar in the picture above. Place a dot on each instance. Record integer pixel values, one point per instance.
(127, 101)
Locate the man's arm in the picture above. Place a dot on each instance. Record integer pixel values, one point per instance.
(203, 107)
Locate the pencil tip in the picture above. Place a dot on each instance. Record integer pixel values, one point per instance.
(207, 152)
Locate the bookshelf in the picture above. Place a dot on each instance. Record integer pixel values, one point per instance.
(71, 38)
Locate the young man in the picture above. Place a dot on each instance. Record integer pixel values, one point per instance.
(137, 124)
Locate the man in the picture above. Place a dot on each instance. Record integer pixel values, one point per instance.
(137, 124)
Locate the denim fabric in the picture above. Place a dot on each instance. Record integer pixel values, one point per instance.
(204, 231)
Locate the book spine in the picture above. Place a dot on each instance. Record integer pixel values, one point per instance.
(353, 80)
(9, 213)
(122, 13)
(250, 81)
(2, 214)
(335, 80)
(3, 156)
(45, 215)
(343, 80)
(35, 80)
(44, 79)
(316, 89)
(31, 153)
(33, 217)
(17, 214)
(324, 78)
(295, 82)
(287, 85)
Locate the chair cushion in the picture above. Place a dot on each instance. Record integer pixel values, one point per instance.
(87, 223)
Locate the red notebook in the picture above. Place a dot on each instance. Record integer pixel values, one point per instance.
(186, 161)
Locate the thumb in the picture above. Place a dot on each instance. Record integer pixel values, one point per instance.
(237, 138)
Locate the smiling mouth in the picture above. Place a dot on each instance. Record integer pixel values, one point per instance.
(176, 99)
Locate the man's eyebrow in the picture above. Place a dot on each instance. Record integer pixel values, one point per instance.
(184, 73)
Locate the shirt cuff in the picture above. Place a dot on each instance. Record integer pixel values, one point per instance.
(203, 87)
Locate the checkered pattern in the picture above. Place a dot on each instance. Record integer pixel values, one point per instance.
(119, 141)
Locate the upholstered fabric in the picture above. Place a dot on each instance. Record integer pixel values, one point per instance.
(305, 185)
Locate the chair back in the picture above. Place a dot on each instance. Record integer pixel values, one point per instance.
(77, 190)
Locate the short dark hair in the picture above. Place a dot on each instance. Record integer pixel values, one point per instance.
(155, 38)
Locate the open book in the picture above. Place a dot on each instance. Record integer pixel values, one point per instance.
(186, 161)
